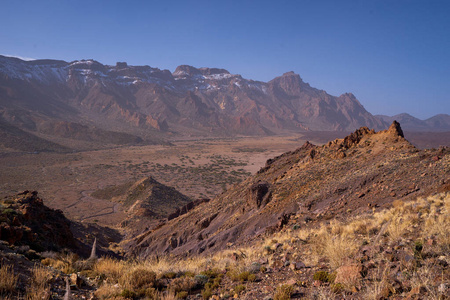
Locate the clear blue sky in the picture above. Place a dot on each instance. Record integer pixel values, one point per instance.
(393, 55)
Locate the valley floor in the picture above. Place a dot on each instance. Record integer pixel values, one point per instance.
(196, 168)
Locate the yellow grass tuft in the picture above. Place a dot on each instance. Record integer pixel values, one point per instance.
(111, 268)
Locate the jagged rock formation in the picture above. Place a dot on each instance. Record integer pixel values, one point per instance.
(363, 171)
(86, 100)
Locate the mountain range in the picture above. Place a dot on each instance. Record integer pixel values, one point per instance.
(62, 102)
(440, 122)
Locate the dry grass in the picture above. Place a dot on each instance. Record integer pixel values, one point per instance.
(40, 284)
(111, 268)
(8, 280)
(41, 277)
(426, 277)
(438, 225)
(335, 242)
(108, 291)
(65, 262)
(138, 278)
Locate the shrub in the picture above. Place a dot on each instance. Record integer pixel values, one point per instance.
(128, 294)
(242, 276)
(201, 280)
(324, 276)
(239, 288)
(418, 246)
(182, 295)
(182, 284)
(169, 275)
(211, 273)
(284, 292)
(206, 294)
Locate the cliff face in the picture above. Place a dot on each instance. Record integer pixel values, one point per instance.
(363, 171)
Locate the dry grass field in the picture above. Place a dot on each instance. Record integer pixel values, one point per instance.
(197, 168)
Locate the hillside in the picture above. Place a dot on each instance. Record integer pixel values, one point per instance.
(13, 138)
(366, 170)
(363, 217)
(145, 201)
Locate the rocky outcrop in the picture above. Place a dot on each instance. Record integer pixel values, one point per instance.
(395, 129)
(185, 208)
(259, 194)
(25, 220)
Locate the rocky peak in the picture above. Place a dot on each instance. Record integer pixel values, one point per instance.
(307, 145)
(121, 65)
(185, 70)
(355, 137)
(395, 129)
(88, 64)
(348, 95)
(290, 83)
(213, 71)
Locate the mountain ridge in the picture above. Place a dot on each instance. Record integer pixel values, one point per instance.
(438, 123)
(148, 102)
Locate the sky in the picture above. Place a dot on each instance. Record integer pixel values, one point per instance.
(394, 56)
